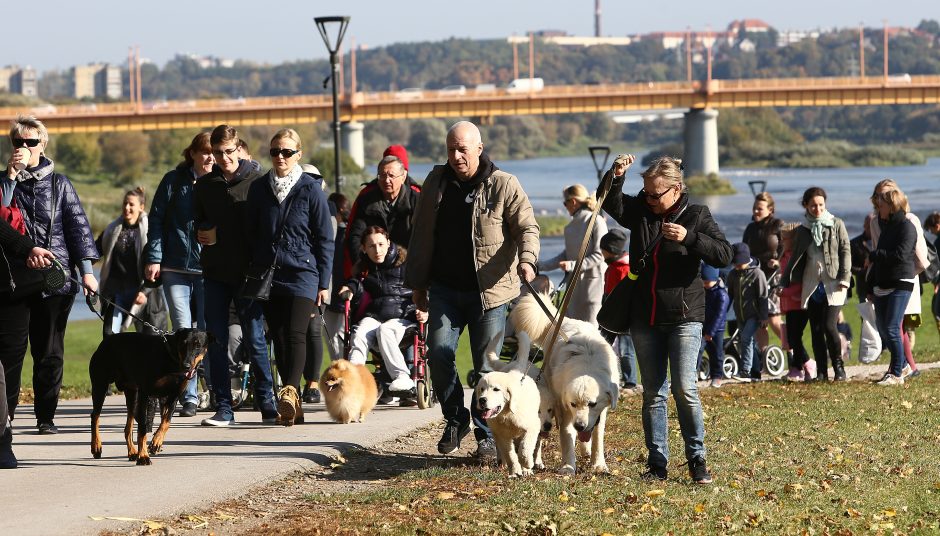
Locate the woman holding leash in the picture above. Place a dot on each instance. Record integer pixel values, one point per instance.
(670, 237)
(289, 230)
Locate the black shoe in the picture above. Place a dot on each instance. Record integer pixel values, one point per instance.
(7, 459)
(188, 410)
(409, 401)
(47, 428)
(311, 395)
(453, 433)
(655, 472)
(698, 471)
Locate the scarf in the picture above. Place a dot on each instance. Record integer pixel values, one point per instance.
(282, 185)
(43, 169)
(815, 225)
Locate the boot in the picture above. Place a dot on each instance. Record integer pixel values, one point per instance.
(822, 371)
(299, 411)
(838, 369)
(7, 459)
(809, 368)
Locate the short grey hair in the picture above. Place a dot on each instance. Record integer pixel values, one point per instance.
(388, 160)
(21, 126)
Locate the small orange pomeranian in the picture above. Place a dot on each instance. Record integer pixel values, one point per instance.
(349, 391)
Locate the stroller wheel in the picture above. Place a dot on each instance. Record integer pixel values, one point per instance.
(730, 366)
(425, 397)
(775, 360)
(703, 369)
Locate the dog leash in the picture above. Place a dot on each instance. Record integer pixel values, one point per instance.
(97, 295)
(538, 300)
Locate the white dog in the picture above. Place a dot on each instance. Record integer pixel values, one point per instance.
(509, 402)
(583, 374)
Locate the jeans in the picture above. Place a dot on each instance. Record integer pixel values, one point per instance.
(218, 300)
(715, 349)
(450, 311)
(627, 353)
(184, 298)
(889, 312)
(115, 317)
(747, 348)
(674, 347)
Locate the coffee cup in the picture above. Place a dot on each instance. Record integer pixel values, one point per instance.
(20, 163)
(207, 233)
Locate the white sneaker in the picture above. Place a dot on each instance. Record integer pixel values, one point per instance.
(891, 379)
(906, 371)
(401, 383)
(742, 379)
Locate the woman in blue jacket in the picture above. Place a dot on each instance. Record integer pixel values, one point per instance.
(288, 227)
(48, 211)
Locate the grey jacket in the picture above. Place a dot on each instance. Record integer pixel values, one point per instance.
(586, 300)
(748, 291)
(505, 233)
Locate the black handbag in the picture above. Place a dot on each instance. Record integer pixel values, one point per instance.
(614, 315)
(258, 281)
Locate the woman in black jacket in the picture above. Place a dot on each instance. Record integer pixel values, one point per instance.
(762, 236)
(13, 246)
(892, 262)
(668, 304)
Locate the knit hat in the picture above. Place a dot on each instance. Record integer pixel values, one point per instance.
(709, 273)
(399, 152)
(614, 242)
(742, 253)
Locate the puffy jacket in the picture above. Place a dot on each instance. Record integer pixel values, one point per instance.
(370, 208)
(505, 233)
(763, 239)
(304, 255)
(669, 288)
(71, 240)
(893, 258)
(222, 203)
(171, 239)
(385, 283)
(716, 309)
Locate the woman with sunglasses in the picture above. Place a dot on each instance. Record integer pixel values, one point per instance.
(288, 226)
(668, 302)
(586, 301)
(42, 204)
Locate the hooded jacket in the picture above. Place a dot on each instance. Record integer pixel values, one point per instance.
(385, 283)
(748, 291)
(763, 239)
(370, 209)
(669, 288)
(171, 239)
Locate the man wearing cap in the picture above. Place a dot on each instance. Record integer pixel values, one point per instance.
(388, 201)
(474, 236)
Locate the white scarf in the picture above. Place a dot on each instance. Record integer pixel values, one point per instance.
(283, 185)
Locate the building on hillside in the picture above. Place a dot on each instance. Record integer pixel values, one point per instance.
(790, 37)
(740, 28)
(573, 40)
(96, 81)
(19, 80)
(208, 62)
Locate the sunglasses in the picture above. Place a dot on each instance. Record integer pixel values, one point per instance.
(25, 142)
(284, 153)
(657, 197)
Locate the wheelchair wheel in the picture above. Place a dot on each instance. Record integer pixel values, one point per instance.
(425, 396)
(775, 360)
(730, 366)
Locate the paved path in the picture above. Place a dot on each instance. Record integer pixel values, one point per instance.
(58, 485)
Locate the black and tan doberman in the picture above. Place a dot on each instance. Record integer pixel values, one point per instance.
(144, 366)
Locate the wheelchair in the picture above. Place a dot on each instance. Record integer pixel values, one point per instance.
(773, 357)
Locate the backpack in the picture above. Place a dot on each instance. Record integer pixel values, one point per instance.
(931, 273)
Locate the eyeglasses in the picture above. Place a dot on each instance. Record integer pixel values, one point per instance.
(657, 197)
(228, 152)
(284, 153)
(389, 176)
(25, 142)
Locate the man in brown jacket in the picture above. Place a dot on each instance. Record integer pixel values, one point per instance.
(473, 232)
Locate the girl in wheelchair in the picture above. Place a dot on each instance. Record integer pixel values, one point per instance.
(385, 306)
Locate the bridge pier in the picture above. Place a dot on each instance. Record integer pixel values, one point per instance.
(700, 137)
(351, 139)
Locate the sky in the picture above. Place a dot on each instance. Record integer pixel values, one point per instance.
(78, 32)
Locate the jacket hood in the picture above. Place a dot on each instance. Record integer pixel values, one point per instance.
(484, 171)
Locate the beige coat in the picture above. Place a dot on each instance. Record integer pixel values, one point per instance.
(588, 293)
(828, 263)
(505, 233)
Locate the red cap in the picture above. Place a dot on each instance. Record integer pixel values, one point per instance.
(399, 152)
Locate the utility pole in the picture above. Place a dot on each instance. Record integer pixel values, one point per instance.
(861, 50)
(886, 48)
(688, 54)
(137, 85)
(352, 67)
(515, 60)
(532, 58)
(597, 18)
(131, 92)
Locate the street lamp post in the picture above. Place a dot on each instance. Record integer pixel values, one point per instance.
(599, 155)
(323, 25)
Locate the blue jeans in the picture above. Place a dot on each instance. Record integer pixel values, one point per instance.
(125, 300)
(889, 312)
(747, 348)
(184, 298)
(674, 347)
(219, 298)
(715, 349)
(450, 312)
(627, 353)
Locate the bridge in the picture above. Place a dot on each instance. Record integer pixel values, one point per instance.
(703, 99)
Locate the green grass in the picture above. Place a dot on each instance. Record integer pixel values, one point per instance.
(843, 458)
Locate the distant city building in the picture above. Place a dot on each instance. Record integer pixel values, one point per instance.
(574, 40)
(208, 62)
(20, 80)
(96, 81)
(789, 37)
(740, 28)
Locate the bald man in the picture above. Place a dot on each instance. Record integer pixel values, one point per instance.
(474, 235)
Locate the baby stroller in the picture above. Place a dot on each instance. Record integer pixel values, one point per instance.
(772, 356)
(415, 340)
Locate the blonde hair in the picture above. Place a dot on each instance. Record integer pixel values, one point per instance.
(290, 134)
(896, 202)
(24, 123)
(580, 194)
(667, 168)
(766, 198)
(139, 193)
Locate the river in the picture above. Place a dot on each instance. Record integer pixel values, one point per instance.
(848, 190)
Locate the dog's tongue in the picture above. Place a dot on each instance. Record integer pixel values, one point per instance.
(584, 437)
(490, 413)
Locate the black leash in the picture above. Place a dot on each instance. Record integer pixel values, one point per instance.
(538, 300)
(97, 295)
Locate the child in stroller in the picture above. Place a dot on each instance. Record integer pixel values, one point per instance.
(385, 310)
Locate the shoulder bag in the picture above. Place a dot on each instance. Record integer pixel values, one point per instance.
(258, 282)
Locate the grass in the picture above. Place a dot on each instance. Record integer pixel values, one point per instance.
(787, 459)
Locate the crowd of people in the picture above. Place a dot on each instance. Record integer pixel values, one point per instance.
(227, 244)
